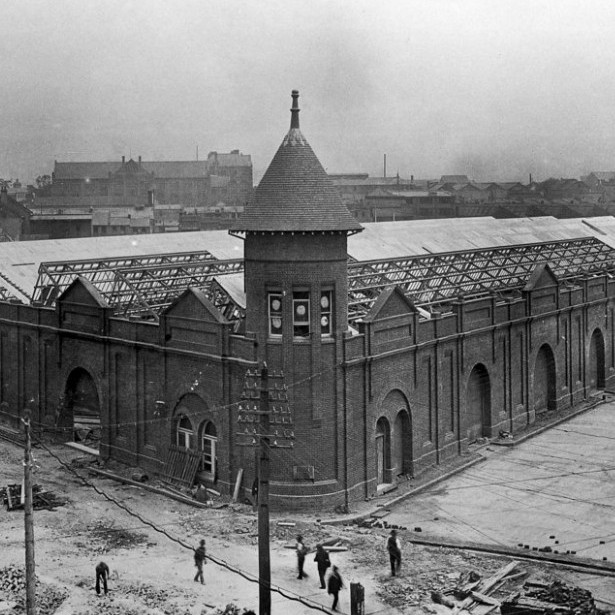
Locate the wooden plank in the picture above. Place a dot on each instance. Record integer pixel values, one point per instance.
(237, 484)
(482, 609)
(479, 597)
(181, 466)
(484, 586)
(487, 584)
(165, 492)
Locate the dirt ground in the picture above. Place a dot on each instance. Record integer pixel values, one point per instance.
(150, 573)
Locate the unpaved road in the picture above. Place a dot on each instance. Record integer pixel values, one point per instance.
(153, 574)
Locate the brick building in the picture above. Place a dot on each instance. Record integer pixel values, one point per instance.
(400, 343)
(225, 177)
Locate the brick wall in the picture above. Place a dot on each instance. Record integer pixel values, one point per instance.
(423, 379)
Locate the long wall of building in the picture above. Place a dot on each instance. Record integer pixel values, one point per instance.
(403, 393)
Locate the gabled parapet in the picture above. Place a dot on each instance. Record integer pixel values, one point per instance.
(81, 307)
(192, 322)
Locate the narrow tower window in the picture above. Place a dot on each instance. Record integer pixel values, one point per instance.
(326, 310)
(275, 314)
(301, 314)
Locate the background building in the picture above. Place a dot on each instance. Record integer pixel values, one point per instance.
(222, 177)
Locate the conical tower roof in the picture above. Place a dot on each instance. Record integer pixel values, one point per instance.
(296, 194)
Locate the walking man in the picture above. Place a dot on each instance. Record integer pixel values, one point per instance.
(301, 550)
(102, 572)
(200, 559)
(394, 549)
(323, 562)
(334, 585)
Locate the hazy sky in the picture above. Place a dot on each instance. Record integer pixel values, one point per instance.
(492, 88)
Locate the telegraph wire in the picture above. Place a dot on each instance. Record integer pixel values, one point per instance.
(220, 562)
(284, 593)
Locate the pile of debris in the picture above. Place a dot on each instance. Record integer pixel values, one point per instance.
(105, 536)
(154, 598)
(556, 597)
(13, 590)
(13, 498)
(472, 592)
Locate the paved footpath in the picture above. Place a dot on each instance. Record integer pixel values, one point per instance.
(556, 489)
(560, 483)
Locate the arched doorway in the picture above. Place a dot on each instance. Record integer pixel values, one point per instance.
(81, 408)
(402, 445)
(478, 403)
(596, 367)
(544, 380)
(209, 445)
(395, 406)
(383, 451)
(185, 455)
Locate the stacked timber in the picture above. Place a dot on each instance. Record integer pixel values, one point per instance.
(556, 598)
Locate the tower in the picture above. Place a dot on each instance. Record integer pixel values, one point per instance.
(296, 285)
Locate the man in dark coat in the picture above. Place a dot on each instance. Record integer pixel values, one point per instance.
(301, 550)
(322, 562)
(334, 585)
(200, 559)
(102, 572)
(394, 549)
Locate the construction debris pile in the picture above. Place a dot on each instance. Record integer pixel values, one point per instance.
(13, 590)
(558, 598)
(143, 599)
(153, 598)
(12, 499)
(473, 593)
(103, 536)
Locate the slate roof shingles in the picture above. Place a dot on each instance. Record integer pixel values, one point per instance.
(296, 194)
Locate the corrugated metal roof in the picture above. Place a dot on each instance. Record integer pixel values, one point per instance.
(414, 193)
(162, 168)
(20, 260)
(81, 170)
(233, 284)
(232, 160)
(179, 169)
(412, 237)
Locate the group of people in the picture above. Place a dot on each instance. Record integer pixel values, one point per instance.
(200, 558)
(333, 585)
(334, 582)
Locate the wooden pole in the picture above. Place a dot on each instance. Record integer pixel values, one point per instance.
(29, 521)
(264, 565)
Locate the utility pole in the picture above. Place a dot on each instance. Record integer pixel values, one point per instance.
(264, 564)
(28, 520)
(259, 403)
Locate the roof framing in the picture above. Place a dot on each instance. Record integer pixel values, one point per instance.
(439, 278)
(134, 286)
(143, 286)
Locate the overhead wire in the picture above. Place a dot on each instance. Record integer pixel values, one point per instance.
(220, 562)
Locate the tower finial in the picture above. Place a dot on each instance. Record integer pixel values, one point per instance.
(294, 112)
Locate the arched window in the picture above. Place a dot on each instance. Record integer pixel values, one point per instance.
(185, 433)
(209, 439)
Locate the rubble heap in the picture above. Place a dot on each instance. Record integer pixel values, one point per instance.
(13, 589)
(104, 536)
(11, 498)
(556, 597)
(153, 597)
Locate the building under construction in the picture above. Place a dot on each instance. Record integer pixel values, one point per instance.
(400, 343)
